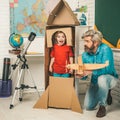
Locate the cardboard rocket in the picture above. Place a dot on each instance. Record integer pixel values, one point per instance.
(59, 94)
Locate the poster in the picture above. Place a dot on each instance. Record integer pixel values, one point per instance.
(28, 16)
(82, 14)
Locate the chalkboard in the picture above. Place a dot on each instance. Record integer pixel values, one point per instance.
(107, 19)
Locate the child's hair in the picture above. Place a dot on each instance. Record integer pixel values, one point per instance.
(54, 36)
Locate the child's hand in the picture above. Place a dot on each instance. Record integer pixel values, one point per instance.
(71, 71)
(50, 69)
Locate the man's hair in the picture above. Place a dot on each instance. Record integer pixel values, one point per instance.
(95, 35)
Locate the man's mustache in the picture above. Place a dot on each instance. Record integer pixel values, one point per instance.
(87, 49)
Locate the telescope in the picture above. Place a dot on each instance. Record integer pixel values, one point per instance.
(31, 37)
(20, 86)
(21, 56)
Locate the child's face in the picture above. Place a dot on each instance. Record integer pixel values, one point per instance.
(60, 39)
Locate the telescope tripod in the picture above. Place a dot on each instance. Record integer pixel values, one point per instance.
(20, 86)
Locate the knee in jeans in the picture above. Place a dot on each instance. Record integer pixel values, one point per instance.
(101, 81)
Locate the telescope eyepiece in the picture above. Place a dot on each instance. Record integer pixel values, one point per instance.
(31, 36)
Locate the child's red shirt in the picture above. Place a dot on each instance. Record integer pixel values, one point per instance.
(61, 55)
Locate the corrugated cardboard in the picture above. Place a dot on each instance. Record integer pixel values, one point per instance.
(67, 31)
(70, 34)
(62, 15)
(59, 94)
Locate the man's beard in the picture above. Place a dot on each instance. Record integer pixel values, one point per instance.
(89, 50)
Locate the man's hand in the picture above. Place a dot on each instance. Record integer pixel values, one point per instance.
(85, 73)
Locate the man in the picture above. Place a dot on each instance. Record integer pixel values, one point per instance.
(102, 80)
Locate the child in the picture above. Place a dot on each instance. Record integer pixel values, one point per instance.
(61, 55)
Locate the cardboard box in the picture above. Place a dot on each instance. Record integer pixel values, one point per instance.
(62, 15)
(68, 32)
(59, 94)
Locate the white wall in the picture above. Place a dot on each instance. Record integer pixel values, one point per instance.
(4, 32)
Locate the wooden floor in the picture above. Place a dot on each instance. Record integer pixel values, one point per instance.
(24, 111)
